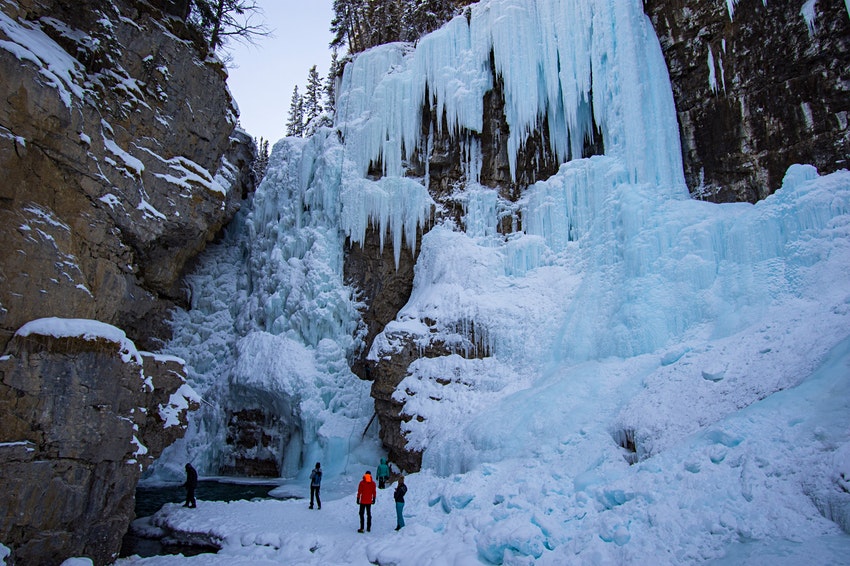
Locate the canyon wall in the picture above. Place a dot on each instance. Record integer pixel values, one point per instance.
(121, 160)
(756, 90)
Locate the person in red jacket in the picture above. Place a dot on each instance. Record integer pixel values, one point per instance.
(366, 494)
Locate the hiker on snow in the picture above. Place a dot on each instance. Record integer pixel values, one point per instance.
(316, 484)
(398, 495)
(383, 473)
(190, 485)
(366, 495)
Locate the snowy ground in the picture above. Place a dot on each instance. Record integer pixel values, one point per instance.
(746, 490)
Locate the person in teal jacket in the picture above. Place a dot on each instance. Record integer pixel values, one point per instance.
(400, 491)
(383, 473)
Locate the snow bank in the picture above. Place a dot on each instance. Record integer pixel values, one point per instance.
(85, 329)
(730, 494)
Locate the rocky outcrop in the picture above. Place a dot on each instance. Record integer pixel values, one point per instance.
(384, 288)
(757, 92)
(121, 160)
(115, 130)
(253, 436)
(82, 415)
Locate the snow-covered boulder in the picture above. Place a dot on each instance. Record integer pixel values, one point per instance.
(83, 413)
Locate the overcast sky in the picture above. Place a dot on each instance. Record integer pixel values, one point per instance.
(262, 76)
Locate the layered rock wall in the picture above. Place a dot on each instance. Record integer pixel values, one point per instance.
(758, 91)
(114, 140)
(81, 416)
(121, 160)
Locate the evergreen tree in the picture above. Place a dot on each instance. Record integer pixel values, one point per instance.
(295, 124)
(261, 160)
(312, 103)
(384, 17)
(424, 16)
(361, 24)
(348, 23)
(330, 84)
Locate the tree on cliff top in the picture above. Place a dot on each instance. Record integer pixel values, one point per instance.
(330, 83)
(361, 24)
(312, 95)
(295, 124)
(220, 20)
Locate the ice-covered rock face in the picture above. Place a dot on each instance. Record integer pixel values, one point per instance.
(614, 76)
(609, 259)
(549, 74)
(273, 325)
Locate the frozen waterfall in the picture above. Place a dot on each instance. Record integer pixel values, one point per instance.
(616, 288)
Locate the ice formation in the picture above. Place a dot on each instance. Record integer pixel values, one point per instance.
(635, 376)
(564, 61)
(272, 325)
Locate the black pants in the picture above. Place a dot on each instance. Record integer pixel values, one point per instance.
(190, 497)
(366, 508)
(314, 492)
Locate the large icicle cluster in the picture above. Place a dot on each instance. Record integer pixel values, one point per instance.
(566, 62)
(612, 262)
(272, 324)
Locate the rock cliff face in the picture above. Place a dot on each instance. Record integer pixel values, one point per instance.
(82, 415)
(120, 161)
(755, 93)
(114, 137)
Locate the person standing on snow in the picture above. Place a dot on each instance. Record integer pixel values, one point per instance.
(190, 485)
(366, 495)
(316, 484)
(383, 473)
(398, 495)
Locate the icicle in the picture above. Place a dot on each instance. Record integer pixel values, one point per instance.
(809, 14)
(712, 77)
(551, 55)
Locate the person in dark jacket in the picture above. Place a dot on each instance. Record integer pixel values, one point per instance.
(383, 473)
(191, 484)
(366, 495)
(398, 495)
(316, 484)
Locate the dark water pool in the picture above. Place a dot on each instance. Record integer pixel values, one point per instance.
(149, 500)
